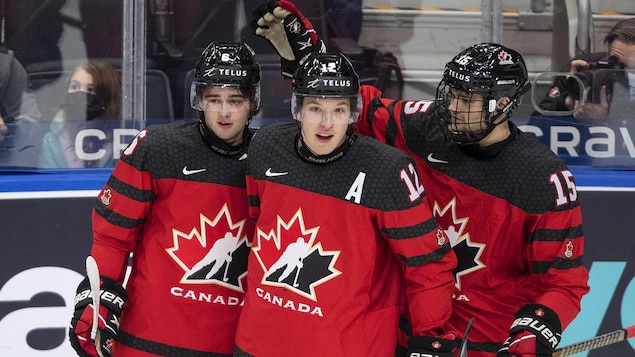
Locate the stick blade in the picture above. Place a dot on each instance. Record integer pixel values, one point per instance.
(93, 278)
(91, 268)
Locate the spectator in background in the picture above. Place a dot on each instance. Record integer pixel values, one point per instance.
(615, 95)
(20, 134)
(93, 96)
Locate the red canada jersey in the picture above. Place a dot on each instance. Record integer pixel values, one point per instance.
(181, 209)
(513, 219)
(337, 247)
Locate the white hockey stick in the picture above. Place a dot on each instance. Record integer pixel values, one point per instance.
(93, 278)
(463, 345)
(596, 342)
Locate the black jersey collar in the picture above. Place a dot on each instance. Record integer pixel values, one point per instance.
(492, 150)
(221, 147)
(305, 153)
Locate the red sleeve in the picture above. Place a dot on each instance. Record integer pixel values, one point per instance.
(415, 236)
(383, 118)
(374, 116)
(429, 263)
(119, 214)
(563, 284)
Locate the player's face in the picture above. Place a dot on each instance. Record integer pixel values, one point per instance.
(467, 112)
(226, 112)
(81, 81)
(324, 123)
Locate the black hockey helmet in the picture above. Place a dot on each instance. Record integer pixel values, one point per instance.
(488, 69)
(227, 65)
(326, 75)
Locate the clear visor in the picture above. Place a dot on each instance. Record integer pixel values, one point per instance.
(222, 98)
(319, 109)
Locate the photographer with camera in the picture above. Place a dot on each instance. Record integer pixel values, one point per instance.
(599, 81)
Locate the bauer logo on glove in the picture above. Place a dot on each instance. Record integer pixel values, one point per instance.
(112, 297)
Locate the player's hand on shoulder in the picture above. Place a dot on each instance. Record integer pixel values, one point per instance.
(112, 299)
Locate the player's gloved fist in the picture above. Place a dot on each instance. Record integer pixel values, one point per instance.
(428, 346)
(111, 302)
(535, 332)
(290, 33)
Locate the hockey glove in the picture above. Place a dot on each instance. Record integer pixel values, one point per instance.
(290, 33)
(535, 332)
(428, 346)
(112, 298)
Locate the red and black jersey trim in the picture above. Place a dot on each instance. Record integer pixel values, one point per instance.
(419, 260)
(161, 349)
(556, 235)
(115, 218)
(412, 231)
(131, 191)
(253, 200)
(391, 125)
(558, 263)
(240, 353)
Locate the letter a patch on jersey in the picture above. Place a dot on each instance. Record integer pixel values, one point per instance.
(291, 258)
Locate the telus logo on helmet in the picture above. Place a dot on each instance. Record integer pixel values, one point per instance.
(336, 83)
(232, 72)
(460, 76)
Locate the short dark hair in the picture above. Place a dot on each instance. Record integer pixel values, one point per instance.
(623, 31)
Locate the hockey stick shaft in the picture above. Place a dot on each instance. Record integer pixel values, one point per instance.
(92, 270)
(463, 346)
(596, 342)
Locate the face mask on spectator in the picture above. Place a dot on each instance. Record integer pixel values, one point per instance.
(82, 105)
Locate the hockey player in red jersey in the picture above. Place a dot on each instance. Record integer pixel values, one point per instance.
(507, 203)
(343, 234)
(177, 201)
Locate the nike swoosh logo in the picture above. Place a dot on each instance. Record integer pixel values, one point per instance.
(242, 157)
(187, 172)
(435, 160)
(270, 173)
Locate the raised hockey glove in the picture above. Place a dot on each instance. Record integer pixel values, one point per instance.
(112, 298)
(428, 346)
(535, 332)
(290, 33)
